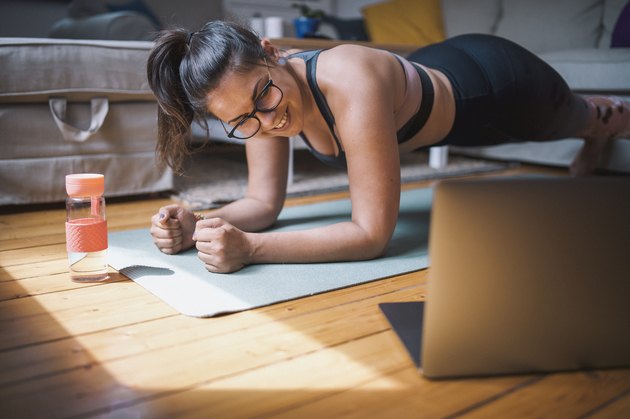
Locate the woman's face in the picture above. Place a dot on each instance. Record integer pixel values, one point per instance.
(278, 104)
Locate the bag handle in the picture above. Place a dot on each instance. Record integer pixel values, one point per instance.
(99, 106)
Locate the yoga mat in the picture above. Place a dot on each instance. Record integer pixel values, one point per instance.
(182, 282)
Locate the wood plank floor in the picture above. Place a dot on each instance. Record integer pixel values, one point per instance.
(114, 350)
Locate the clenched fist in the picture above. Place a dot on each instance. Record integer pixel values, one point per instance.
(222, 247)
(172, 229)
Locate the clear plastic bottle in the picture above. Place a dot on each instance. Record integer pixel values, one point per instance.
(86, 227)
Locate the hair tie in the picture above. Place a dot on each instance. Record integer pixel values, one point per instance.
(189, 37)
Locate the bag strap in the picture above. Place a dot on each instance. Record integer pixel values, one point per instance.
(99, 106)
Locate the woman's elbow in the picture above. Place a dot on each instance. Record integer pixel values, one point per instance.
(377, 245)
(271, 213)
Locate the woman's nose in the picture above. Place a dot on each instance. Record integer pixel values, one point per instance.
(267, 119)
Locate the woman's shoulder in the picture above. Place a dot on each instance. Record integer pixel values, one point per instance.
(349, 53)
(344, 55)
(351, 63)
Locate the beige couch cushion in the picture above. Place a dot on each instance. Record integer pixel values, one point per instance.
(36, 153)
(593, 69)
(124, 25)
(28, 130)
(544, 25)
(34, 69)
(465, 16)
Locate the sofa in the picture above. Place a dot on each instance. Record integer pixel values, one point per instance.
(80, 105)
(76, 106)
(574, 37)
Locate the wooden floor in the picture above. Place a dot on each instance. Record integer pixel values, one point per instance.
(114, 350)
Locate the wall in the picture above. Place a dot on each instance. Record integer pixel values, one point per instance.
(30, 18)
(352, 8)
(34, 18)
(191, 14)
(244, 10)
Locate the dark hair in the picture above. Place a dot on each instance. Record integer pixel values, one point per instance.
(183, 67)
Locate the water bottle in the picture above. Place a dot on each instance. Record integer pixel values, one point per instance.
(86, 227)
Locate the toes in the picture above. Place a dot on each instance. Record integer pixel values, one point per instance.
(607, 114)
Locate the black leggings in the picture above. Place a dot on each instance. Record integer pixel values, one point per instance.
(503, 93)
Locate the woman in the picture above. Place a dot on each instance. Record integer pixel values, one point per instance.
(355, 107)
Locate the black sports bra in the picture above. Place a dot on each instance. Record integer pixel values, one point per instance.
(406, 132)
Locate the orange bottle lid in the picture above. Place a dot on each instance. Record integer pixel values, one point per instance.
(85, 184)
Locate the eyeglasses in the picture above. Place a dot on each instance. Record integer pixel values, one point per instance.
(266, 101)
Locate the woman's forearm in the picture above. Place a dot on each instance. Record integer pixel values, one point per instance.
(336, 242)
(246, 214)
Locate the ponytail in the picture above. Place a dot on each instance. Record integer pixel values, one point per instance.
(183, 67)
(174, 113)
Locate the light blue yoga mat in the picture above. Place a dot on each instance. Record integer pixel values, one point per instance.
(182, 282)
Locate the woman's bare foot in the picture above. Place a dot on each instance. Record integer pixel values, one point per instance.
(589, 156)
(610, 120)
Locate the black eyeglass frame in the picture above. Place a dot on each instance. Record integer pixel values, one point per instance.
(252, 114)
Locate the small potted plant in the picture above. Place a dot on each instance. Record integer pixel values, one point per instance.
(307, 23)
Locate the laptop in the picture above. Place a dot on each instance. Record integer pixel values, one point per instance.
(526, 275)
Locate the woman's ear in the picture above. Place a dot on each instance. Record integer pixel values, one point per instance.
(270, 49)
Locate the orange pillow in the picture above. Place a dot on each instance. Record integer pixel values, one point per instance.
(409, 22)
